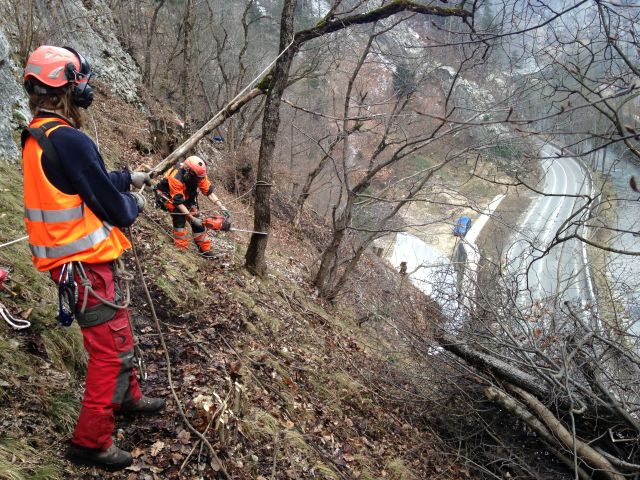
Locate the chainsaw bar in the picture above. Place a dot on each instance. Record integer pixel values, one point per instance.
(247, 231)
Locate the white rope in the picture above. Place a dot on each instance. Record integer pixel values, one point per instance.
(16, 323)
(14, 241)
(250, 84)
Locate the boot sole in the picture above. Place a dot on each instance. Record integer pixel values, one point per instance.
(84, 462)
(137, 413)
(141, 412)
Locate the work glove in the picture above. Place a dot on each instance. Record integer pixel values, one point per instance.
(138, 179)
(225, 212)
(196, 222)
(140, 200)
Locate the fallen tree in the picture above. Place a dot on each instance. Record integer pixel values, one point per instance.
(578, 393)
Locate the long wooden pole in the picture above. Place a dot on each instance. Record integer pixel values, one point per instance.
(207, 128)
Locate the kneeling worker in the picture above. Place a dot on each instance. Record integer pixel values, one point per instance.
(177, 193)
(74, 210)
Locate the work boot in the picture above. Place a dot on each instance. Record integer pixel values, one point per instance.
(208, 254)
(111, 459)
(144, 405)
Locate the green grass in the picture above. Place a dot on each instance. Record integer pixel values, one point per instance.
(506, 151)
(65, 349)
(26, 287)
(21, 461)
(417, 163)
(62, 409)
(399, 470)
(13, 360)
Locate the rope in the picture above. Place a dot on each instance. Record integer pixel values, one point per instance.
(250, 84)
(119, 273)
(14, 241)
(16, 323)
(13, 322)
(193, 430)
(230, 103)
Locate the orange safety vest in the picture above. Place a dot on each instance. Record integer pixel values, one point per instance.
(60, 226)
(172, 184)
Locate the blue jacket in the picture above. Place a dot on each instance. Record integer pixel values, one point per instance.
(105, 193)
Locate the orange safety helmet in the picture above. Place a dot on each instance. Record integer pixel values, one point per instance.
(49, 68)
(196, 165)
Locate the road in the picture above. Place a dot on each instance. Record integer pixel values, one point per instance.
(560, 273)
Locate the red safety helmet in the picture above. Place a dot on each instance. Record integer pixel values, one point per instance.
(196, 165)
(55, 67)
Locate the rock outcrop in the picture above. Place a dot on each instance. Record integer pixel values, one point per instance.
(87, 26)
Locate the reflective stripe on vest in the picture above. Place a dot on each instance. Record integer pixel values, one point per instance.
(76, 246)
(54, 216)
(61, 227)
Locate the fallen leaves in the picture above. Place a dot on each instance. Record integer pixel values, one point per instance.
(156, 448)
(136, 452)
(184, 436)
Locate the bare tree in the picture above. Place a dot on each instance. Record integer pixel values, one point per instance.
(146, 74)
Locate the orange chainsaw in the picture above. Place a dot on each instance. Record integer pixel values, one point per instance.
(221, 224)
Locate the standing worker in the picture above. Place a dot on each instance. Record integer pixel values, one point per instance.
(177, 193)
(74, 210)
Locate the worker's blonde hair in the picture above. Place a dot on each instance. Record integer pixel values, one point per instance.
(60, 103)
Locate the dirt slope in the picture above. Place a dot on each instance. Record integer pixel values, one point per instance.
(289, 387)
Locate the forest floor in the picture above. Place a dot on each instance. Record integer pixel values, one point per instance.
(286, 385)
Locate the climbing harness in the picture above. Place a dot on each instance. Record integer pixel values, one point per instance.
(120, 277)
(67, 295)
(105, 310)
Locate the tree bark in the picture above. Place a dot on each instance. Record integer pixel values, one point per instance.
(495, 366)
(518, 410)
(586, 452)
(333, 24)
(255, 257)
(186, 71)
(146, 76)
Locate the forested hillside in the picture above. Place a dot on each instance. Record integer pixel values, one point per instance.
(430, 271)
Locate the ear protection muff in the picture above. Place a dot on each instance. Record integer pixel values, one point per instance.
(82, 93)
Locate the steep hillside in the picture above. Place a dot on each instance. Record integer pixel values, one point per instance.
(284, 380)
(284, 385)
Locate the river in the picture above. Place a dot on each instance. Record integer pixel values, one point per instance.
(624, 270)
(429, 270)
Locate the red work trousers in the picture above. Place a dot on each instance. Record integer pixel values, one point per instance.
(111, 376)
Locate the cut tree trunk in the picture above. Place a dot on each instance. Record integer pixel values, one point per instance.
(586, 452)
(493, 365)
(207, 128)
(518, 410)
